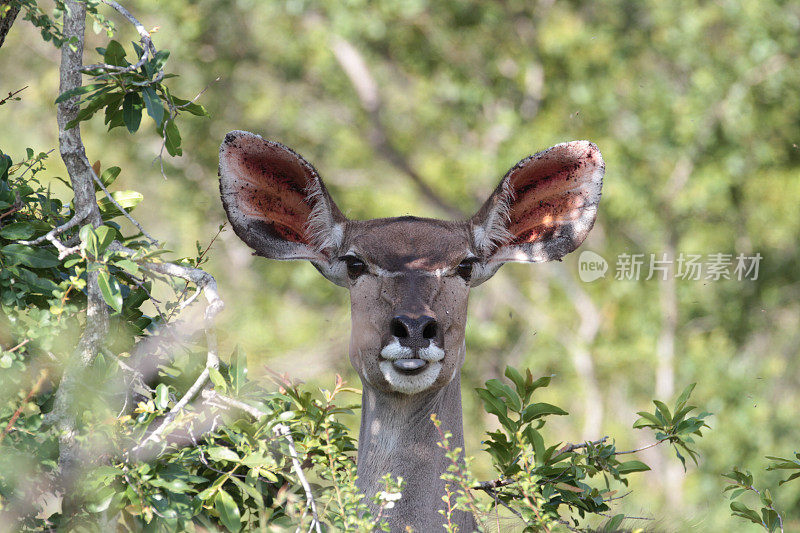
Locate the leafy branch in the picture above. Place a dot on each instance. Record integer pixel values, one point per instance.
(538, 479)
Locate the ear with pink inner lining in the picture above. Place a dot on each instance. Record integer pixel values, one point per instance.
(278, 204)
(543, 208)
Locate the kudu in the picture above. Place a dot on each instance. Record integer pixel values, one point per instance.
(409, 281)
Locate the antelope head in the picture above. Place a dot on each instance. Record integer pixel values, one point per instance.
(409, 278)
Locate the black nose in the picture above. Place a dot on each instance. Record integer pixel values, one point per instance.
(414, 332)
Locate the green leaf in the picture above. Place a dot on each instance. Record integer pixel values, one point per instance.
(105, 236)
(238, 369)
(519, 381)
(128, 266)
(501, 390)
(172, 139)
(89, 239)
(740, 509)
(127, 199)
(109, 175)
(684, 397)
(132, 111)
(110, 289)
(188, 105)
(221, 453)
(162, 396)
(5, 164)
(537, 441)
(66, 95)
(250, 490)
(495, 406)
(115, 54)
(17, 230)
(632, 466)
(614, 523)
(101, 500)
(228, 511)
(664, 410)
(20, 254)
(154, 107)
(647, 419)
(217, 379)
(536, 410)
(160, 59)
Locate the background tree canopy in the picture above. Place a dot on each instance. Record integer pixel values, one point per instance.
(694, 106)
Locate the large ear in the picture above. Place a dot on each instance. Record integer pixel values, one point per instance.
(277, 203)
(543, 208)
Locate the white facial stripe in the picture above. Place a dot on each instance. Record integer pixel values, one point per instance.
(393, 351)
(431, 353)
(410, 384)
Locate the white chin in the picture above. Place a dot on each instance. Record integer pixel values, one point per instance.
(410, 384)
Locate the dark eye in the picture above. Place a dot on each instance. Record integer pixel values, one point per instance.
(355, 266)
(464, 268)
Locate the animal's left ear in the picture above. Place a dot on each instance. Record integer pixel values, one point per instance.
(543, 208)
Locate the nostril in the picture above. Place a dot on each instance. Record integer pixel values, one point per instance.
(430, 330)
(399, 329)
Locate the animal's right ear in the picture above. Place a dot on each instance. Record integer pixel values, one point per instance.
(278, 205)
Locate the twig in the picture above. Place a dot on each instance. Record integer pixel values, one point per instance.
(193, 100)
(14, 208)
(644, 447)
(618, 497)
(63, 251)
(123, 211)
(30, 395)
(355, 68)
(283, 430)
(497, 500)
(572, 447)
(18, 346)
(12, 94)
(186, 303)
(212, 396)
(628, 517)
(148, 48)
(81, 214)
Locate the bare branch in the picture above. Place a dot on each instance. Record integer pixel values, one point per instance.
(355, 68)
(212, 396)
(207, 284)
(283, 430)
(653, 445)
(81, 214)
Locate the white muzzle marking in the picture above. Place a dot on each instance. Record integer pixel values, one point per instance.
(410, 384)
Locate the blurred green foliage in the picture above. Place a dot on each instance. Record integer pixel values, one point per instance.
(694, 105)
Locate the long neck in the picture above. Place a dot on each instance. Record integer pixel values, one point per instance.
(398, 437)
